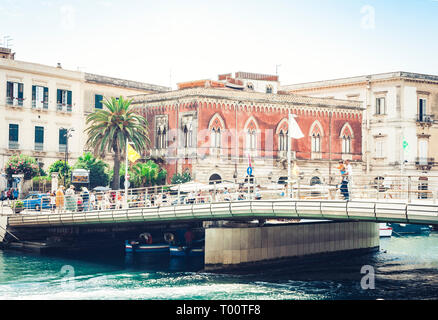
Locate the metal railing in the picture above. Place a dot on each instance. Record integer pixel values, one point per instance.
(14, 145)
(44, 105)
(12, 101)
(390, 189)
(254, 209)
(39, 146)
(425, 118)
(64, 107)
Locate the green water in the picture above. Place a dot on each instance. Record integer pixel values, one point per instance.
(405, 268)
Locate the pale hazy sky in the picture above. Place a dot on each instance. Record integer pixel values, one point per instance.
(164, 42)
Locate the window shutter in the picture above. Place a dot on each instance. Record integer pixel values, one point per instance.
(46, 95)
(33, 93)
(39, 134)
(9, 89)
(69, 98)
(20, 92)
(58, 96)
(63, 136)
(98, 101)
(13, 132)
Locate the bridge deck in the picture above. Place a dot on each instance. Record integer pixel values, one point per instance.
(377, 211)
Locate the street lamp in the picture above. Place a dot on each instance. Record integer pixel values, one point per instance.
(67, 135)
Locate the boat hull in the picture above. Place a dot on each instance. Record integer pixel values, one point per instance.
(157, 248)
(406, 229)
(385, 231)
(183, 251)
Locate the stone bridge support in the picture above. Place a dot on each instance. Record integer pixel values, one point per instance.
(228, 248)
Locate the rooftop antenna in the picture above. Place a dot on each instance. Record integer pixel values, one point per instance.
(6, 41)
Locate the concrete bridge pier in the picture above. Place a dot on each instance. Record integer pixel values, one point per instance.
(238, 247)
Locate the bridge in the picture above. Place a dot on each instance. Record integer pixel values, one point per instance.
(342, 226)
(336, 210)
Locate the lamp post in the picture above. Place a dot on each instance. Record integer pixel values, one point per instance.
(67, 135)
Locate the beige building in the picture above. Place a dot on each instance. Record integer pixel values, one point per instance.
(400, 127)
(39, 103)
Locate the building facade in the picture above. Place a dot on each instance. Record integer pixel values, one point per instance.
(400, 128)
(214, 132)
(39, 104)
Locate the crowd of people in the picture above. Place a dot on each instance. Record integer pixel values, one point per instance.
(9, 194)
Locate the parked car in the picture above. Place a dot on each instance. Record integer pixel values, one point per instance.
(37, 201)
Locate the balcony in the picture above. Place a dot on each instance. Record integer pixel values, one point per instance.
(425, 119)
(63, 148)
(64, 107)
(16, 102)
(424, 163)
(43, 105)
(14, 145)
(39, 147)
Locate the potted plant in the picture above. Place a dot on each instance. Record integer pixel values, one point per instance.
(18, 206)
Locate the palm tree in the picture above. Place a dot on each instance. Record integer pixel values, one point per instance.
(110, 128)
(147, 174)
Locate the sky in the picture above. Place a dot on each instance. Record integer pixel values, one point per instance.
(166, 42)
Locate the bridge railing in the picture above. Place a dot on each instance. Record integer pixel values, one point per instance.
(304, 187)
(241, 210)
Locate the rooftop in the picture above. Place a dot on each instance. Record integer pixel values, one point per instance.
(363, 79)
(237, 95)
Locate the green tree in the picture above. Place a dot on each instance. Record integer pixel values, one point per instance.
(22, 164)
(109, 129)
(181, 178)
(148, 174)
(99, 175)
(62, 169)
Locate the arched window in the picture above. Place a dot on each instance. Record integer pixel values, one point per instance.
(251, 139)
(346, 137)
(250, 86)
(215, 178)
(187, 136)
(269, 89)
(346, 144)
(316, 142)
(282, 141)
(216, 127)
(316, 134)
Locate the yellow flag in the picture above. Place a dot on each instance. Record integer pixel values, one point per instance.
(132, 154)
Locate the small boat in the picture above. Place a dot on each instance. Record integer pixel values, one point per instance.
(185, 251)
(153, 248)
(385, 230)
(144, 244)
(407, 229)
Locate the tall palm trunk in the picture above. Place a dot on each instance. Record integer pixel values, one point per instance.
(116, 175)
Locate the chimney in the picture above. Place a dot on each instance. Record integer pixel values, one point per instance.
(6, 53)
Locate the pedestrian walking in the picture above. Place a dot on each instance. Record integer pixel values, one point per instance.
(85, 199)
(344, 181)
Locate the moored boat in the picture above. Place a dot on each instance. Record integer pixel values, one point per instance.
(136, 247)
(144, 244)
(185, 251)
(410, 229)
(385, 230)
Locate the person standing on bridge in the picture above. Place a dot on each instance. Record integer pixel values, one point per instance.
(59, 199)
(349, 173)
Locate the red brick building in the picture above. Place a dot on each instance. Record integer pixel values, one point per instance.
(211, 129)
